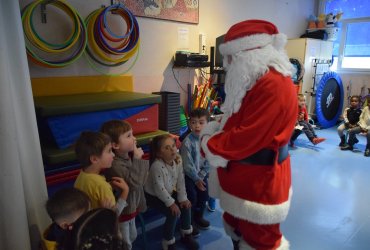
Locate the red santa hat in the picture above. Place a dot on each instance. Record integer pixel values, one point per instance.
(251, 34)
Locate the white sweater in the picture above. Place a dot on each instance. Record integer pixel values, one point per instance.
(364, 121)
(164, 179)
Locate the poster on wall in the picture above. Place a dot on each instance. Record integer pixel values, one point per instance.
(175, 10)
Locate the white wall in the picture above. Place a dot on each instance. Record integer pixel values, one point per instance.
(159, 38)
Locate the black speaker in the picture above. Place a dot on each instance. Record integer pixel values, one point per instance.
(169, 112)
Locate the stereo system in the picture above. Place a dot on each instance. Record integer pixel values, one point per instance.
(188, 59)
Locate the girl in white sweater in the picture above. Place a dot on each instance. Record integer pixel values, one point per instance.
(165, 176)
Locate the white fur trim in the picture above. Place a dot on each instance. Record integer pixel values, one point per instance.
(229, 230)
(279, 41)
(166, 243)
(284, 245)
(254, 212)
(186, 231)
(210, 128)
(245, 43)
(214, 160)
(253, 42)
(214, 188)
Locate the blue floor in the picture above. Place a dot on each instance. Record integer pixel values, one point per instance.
(330, 208)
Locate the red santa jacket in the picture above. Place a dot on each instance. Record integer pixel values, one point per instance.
(265, 120)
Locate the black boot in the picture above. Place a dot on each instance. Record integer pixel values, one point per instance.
(355, 140)
(189, 242)
(171, 247)
(342, 141)
(169, 244)
(236, 244)
(351, 142)
(347, 147)
(195, 232)
(367, 151)
(200, 221)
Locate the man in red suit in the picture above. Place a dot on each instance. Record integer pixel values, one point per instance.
(248, 147)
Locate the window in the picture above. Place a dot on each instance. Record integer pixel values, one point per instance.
(352, 46)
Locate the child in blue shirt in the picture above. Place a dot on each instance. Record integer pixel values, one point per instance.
(196, 169)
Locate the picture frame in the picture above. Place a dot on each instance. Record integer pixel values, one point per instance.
(186, 11)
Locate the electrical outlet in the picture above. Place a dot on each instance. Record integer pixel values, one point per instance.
(202, 44)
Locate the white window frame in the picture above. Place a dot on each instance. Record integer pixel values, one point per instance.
(342, 34)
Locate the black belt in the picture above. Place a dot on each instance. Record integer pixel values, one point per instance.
(266, 156)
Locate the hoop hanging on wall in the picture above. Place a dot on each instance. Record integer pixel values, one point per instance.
(297, 77)
(329, 99)
(107, 49)
(57, 55)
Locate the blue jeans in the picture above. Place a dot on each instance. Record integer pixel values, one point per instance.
(170, 223)
(197, 197)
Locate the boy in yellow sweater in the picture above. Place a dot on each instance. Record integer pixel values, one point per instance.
(94, 152)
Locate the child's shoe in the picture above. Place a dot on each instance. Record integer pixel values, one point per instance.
(171, 247)
(200, 221)
(189, 242)
(195, 232)
(317, 140)
(355, 140)
(169, 244)
(342, 141)
(211, 205)
(236, 244)
(347, 147)
(291, 144)
(367, 153)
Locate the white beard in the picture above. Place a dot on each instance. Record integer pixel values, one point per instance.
(245, 69)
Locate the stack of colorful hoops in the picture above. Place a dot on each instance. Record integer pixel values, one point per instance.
(106, 48)
(45, 53)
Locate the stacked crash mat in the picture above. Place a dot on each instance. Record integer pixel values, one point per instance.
(61, 118)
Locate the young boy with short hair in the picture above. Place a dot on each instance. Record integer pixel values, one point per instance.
(363, 127)
(63, 208)
(196, 169)
(351, 116)
(302, 121)
(133, 169)
(94, 152)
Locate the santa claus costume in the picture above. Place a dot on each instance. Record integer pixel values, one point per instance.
(248, 148)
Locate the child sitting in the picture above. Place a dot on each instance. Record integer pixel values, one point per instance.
(94, 152)
(165, 176)
(364, 127)
(95, 230)
(304, 124)
(196, 169)
(134, 171)
(64, 208)
(351, 116)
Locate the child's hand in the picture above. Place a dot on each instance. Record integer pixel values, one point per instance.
(185, 204)
(201, 185)
(138, 152)
(175, 210)
(121, 184)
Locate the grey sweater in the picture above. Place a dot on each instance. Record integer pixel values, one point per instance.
(135, 173)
